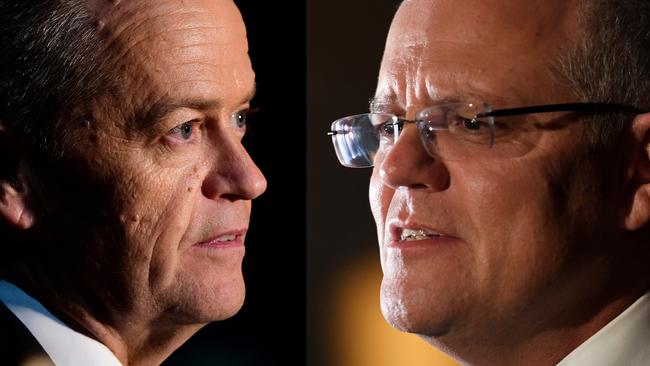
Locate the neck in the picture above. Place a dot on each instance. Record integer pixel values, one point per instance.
(136, 335)
(136, 341)
(541, 346)
(545, 332)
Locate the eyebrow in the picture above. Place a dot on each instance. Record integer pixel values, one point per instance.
(166, 106)
(392, 104)
(383, 104)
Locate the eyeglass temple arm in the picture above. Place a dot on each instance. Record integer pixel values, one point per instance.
(566, 107)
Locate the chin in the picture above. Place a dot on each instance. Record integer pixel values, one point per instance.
(227, 299)
(216, 295)
(412, 309)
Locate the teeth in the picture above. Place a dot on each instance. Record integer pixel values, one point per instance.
(227, 237)
(418, 234)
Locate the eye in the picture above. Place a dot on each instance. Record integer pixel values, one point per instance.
(241, 118)
(471, 130)
(184, 131)
(469, 125)
(472, 124)
(387, 129)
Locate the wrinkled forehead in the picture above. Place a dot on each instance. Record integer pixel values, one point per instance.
(189, 48)
(152, 25)
(489, 21)
(454, 41)
(145, 16)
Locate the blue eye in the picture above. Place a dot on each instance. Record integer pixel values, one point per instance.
(186, 130)
(183, 131)
(240, 119)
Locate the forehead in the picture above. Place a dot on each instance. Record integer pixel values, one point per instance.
(193, 47)
(439, 48)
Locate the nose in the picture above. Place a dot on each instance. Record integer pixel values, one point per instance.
(408, 164)
(233, 176)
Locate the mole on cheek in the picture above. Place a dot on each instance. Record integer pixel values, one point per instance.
(189, 189)
(99, 25)
(124, 218)
(92, 132)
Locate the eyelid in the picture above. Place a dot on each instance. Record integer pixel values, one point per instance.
(173, 136)
(246, 112)
(178, 126)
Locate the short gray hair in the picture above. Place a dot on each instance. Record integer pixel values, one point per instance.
(51, 68)
(49, 65)
(610, 62)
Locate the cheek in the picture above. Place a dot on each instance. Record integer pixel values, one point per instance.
(380, 197)
(156, 216)
(516, 211)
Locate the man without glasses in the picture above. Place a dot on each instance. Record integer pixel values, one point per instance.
(511, 178)
(125, 192)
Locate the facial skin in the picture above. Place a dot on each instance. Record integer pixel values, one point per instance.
(140, 258)
(534, 257)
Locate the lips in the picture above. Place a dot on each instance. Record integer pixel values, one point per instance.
(226, 239)
(406, 233)
(418, 234)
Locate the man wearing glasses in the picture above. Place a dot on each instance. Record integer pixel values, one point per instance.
(511, 179)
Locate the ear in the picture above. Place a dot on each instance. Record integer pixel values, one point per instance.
(637, 212)
(14, 207)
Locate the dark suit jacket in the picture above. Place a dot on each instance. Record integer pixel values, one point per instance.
(17, 344)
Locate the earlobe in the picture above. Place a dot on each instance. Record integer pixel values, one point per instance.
(13, 206)
(637, 213)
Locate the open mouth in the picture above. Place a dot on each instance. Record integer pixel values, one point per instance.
(226, 238)
(418, 234)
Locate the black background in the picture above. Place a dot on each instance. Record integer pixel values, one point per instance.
(270, 328)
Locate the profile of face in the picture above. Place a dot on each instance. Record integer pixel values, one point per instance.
(149, 212)
(478, 249)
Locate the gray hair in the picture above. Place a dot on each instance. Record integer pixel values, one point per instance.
(49, 66)
(611, 61)
(50, 70)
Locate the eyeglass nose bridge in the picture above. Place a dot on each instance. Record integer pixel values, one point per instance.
(398, 125)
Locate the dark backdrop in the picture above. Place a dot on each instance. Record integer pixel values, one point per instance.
(345, 41)
(270, 328)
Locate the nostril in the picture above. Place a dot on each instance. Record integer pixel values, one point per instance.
(231, 197)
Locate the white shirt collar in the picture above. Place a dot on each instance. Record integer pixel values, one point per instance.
(64, 345)
(623, 341)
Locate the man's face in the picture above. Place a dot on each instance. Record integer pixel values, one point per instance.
(518, 234)
(170, 189)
